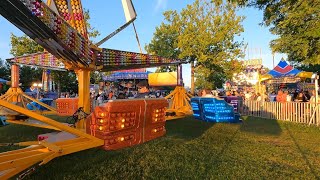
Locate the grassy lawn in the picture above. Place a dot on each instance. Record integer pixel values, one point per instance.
(254, 149)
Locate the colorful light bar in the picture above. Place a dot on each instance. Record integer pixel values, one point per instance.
(72, 12)
(44, 59)
(48, 29)
(111, 60)
(114, 59)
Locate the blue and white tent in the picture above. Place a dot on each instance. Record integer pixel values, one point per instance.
(283, 69)
(3, 80)
(126, 75)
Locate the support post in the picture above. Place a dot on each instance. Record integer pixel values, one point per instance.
(14, 76)
(316, 88)
(45, 80)
(179, 75)
(192, 77)
(14, 82)
(84, 94)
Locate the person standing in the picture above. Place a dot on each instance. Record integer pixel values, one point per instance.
(110, 95)
(143, 89)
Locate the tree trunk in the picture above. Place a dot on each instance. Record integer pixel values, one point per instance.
(59, 89)
(192, 77)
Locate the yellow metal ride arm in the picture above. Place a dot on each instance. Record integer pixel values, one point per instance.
(13, 162)
(179, 103)
(84, 95)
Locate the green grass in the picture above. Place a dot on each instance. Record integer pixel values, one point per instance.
(192, 149)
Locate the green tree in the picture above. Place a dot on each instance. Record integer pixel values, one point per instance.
(66, 81)
(4, 70)
(21, 46)
(92, 32)
(296, 24)
(4, 74)
(203, 33)
(308, 67)
(95, 77)
(164, 44)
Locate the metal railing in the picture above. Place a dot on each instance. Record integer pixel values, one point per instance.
(299, 112)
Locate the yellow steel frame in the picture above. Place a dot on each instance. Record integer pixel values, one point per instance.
(84, 94)
(13, 162)
(180, 99)
(16, 95)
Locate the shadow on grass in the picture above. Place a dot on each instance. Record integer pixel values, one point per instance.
(303, 154)
(261, 126)
(193, 127)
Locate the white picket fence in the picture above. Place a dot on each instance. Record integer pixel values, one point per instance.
(300, 112)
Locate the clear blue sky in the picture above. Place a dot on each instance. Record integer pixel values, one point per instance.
(106, 16)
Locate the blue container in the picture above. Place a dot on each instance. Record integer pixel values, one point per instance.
(34, 105)
(51, 95)
(213, 110)
(47, 101)
(197, 109)
(3, 121)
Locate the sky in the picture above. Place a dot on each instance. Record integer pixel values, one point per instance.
(107, 16)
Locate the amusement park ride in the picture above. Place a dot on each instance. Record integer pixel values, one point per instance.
(59, 27)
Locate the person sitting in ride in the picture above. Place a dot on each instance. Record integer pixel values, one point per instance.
(206, 93)
(143, 89)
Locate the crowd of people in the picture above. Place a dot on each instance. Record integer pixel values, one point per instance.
(142, 90)
(297, 96)
(280, 96)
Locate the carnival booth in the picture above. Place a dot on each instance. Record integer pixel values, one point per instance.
(285, 76)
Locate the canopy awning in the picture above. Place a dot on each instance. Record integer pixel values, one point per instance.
(3, 80)
(283, 69)
(163, 79)
(126, 75)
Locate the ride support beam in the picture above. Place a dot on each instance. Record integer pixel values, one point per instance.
(179, 75)
(14, 76)
(84, 94)
(15, 82)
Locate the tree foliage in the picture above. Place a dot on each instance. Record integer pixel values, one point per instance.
(4, 74)
(164, 43)
(296, 23)
(92, 32)
(21, 46)
(4, 70)
(203, 32)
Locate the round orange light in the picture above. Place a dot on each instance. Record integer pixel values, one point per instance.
(102, 114)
